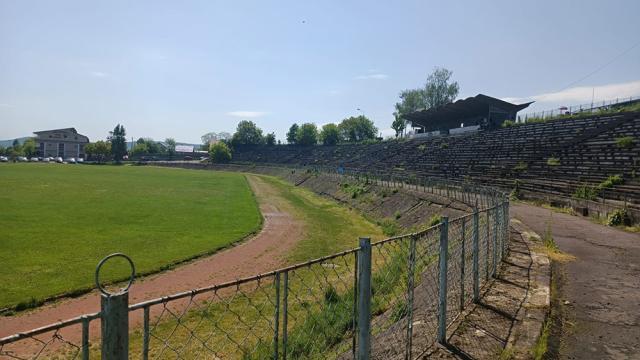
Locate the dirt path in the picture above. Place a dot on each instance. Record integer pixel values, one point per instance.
(264, 252)
(601, 288)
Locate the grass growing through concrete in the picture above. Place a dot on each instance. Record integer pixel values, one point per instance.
(58, 221)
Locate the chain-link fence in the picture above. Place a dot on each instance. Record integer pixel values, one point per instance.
(393, 298)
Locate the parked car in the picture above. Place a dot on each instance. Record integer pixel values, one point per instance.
(4, 159)
(22, 159)
(46, 159)
(79, 160)
(70, 160)
(188, 158)
(59, 160)
(34, 159)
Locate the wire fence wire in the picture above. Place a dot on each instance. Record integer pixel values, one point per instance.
(311, 310)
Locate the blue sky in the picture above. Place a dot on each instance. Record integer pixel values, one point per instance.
(182, 69)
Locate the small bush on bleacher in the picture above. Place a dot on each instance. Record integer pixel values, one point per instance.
(508, 123)
(553, 161)
(586, 192)
(626, 142)
(612, 181)
(521, 166)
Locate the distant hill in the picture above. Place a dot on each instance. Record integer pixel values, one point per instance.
(7, 143)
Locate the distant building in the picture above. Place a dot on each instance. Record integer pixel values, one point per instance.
(184, 148)
(481, 111)
(66, 143)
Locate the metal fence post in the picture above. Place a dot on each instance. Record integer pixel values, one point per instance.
(114, 314)
(410, 286)
(364, 299)
(276, 315)
(476, 255)
(495, 241)
(285, 314)
(355, 305)
(114, 310)
(442, 288)
(462, 264)
(506, 228)
(85, 338)
(486, 248)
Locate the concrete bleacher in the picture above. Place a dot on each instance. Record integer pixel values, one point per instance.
(585, 148)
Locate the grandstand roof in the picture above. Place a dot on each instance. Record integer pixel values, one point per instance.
(451, 115)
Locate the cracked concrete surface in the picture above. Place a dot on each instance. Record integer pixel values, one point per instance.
(601, 288)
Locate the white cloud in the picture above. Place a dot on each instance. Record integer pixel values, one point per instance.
(335, 92)
(583, 94)
(98, 74)
(377, 76)
(247, 114)
(4, 105)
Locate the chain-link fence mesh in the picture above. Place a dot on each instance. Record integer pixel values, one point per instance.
(71, 339)
(310, 310)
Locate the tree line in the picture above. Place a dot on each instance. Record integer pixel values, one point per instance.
(438, 90)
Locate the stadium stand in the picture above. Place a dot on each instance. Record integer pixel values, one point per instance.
(552, 158)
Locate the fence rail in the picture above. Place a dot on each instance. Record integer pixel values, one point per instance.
(394, 298)
(580, 109)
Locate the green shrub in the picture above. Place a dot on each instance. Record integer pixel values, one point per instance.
(397, 215)
(435, 220)
(219, 153)
(354, 190)
(389, 227)
(618, 217)
(586, 192)
(553, 161)
(626, 142)
(444, 146)
(515, 193)
(612, 181)
(521, 166)
(508, 123)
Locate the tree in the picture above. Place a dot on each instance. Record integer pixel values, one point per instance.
(270, 139)
(307, 134)
(171, 146)
(398, 124)
(219, 153)
(330, 135)
(208, 138)
(438, 91)
(140, 149)
(118, 143)
(292, 134)
(29, 148)
(99, 150)
(247, 133)
(357, 128)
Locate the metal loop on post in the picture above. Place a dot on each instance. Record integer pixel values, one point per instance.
(131, 278)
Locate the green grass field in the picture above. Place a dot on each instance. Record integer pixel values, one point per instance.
(58, 221)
